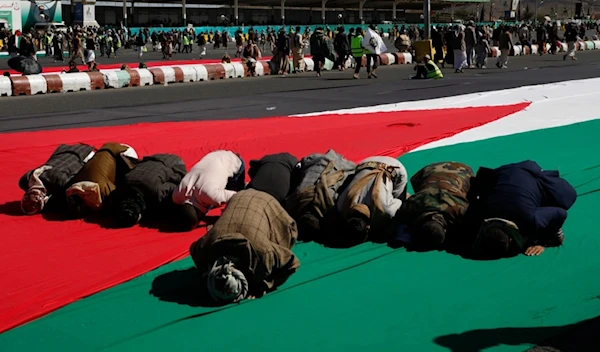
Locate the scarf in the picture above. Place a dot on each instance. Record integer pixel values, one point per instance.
(378, 174)
(508, 227)
(226, 284)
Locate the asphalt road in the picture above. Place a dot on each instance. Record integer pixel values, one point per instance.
(276, 95)
(295, 94)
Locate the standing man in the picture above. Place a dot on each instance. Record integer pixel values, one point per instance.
(470, 41)
(571, 39)
(298, 51)
(542, 37)
(505, 45)
(357, 51)
(318, 48)
(341, 45)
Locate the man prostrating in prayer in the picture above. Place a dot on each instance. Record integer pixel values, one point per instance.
(518, 208)
(99, 177)
(210, 183)
(45, 186)
(247, 253)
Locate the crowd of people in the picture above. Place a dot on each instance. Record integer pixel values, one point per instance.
(248, 251)
(469, 46)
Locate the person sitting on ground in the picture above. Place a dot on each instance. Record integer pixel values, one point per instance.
(247, 252)
(435, 212)
(275, 174)
(322, 177)
(427, 69)
(372, 198)
(45, 186)
(72, 68)
(98, 178)
(211, 182)
(146, 190)
(251, 55)
(518, 208)
(226, 59)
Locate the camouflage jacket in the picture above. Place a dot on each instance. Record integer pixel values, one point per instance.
(439, 189)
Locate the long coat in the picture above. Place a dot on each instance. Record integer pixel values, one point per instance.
(273, 174)
(257, 234)
(321, 177)
(155, 177)
(66, 161)
(535, 200)
(107, 165)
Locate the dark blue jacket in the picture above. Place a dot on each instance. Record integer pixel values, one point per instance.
(536, 200)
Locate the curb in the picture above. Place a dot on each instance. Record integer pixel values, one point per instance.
(160, 75)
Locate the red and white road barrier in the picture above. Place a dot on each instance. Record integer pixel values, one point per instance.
(5, 86)
(29, 85)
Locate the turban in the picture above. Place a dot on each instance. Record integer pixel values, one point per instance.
(226, 284)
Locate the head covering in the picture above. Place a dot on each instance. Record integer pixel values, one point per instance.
(36, 197)
(226, 284)
(506, 226)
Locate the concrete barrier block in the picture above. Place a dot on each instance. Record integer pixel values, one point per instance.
(201, 72)
(96, 80)
(534, 49)
(391, 59)
(229, 70)
(178, 73)
(596, 44)
(589, 45)
(118, 79)
(215, 71)
(260, 68)
(5, 86)
(189, 73)
(29, 85)
(54, 83)
(401, 58)
(164, 75)
(75, 82)
(146, 77)
(383, 60)
(309, 64)
(516, 50)
(240, 70)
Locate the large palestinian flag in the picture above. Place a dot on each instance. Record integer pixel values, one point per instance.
(74, 286)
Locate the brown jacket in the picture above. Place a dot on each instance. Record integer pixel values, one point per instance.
(505, 41)
(257, 234)
(102, 168)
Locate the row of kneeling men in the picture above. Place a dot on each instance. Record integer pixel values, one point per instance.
(516, 208)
